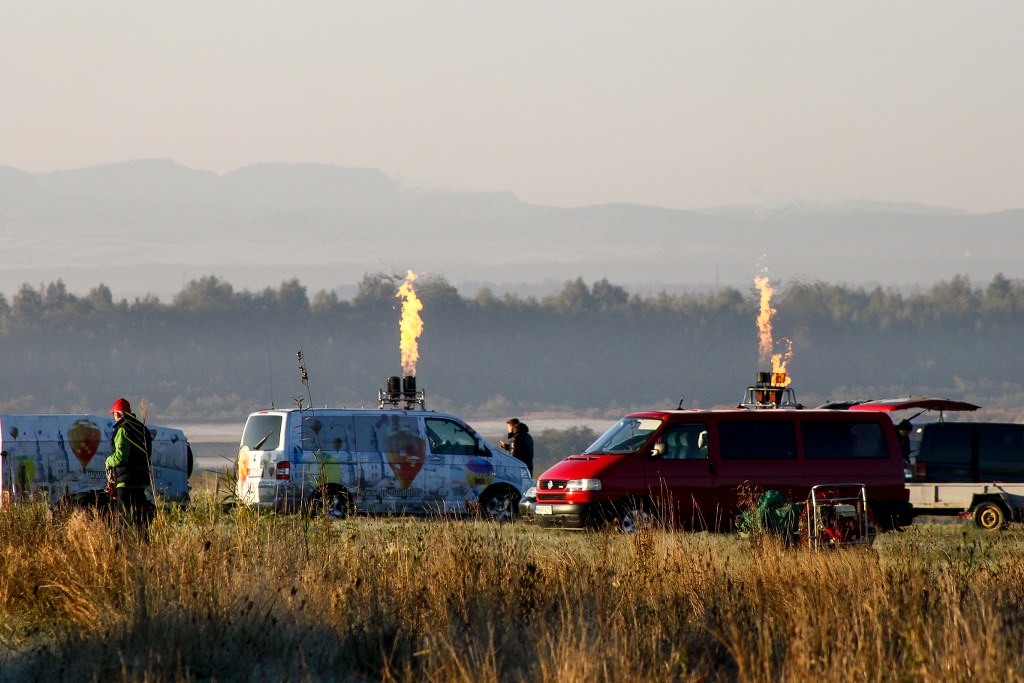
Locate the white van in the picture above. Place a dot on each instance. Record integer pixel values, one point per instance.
(58, 457)
(385, 461)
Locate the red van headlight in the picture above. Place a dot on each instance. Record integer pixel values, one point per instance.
(583, 485)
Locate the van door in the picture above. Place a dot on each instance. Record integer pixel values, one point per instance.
(679, 476)
(329, 454)
(756, 454)
(391, 445)
(459, 470)
(262, 439)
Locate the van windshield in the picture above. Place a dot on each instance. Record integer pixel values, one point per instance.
(263, 433)
(626, 436)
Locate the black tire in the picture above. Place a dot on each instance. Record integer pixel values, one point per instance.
(636, 515)
(499, 504)
(333, 503)
(990, 516)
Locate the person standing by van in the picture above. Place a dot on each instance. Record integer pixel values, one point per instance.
(128, 464)
(903, 431)
(520, 443)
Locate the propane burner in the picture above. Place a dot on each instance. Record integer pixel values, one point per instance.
(402, 390)
(770, 390)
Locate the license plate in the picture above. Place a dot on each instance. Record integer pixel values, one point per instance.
(543, 510)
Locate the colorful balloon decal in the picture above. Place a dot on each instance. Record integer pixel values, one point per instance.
(14, 432)
(479, 472)
(84, 438)
(406, 454)
(243, 463)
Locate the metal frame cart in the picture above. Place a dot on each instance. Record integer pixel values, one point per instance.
(836, 516)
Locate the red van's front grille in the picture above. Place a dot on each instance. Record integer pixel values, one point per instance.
(551, 490)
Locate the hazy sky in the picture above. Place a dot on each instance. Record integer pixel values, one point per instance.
(563, 102)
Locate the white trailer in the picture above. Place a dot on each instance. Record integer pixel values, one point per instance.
(61, 457)
(992, 504)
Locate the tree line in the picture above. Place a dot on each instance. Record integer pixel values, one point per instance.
(216, 352)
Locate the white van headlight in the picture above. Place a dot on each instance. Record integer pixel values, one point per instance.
(583, 485)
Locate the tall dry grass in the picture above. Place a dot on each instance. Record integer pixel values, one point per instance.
(255, 597)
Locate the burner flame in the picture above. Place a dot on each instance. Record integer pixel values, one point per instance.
(411, 325)
(764, 318)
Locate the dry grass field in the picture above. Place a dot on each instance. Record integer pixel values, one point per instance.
(243, 596)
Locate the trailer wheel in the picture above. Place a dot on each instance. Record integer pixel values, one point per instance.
(990, 516)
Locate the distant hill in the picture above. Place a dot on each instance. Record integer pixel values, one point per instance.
(152, 225)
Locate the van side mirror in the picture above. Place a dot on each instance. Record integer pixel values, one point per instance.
(659, 450)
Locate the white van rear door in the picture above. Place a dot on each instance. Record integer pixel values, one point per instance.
(263, 434)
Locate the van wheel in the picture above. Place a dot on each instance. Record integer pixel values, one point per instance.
(499, 505)
(636, 516)
(990, 516)
(333, 504)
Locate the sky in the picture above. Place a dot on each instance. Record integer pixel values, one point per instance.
(566, 103)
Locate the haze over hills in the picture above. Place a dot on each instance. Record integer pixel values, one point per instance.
(151, 226)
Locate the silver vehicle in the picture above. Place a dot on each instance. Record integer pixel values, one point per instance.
(385, 461)
(61, 457)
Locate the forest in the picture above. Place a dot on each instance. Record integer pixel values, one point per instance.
(217, 353)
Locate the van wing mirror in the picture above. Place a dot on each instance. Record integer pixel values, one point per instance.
(658, 450)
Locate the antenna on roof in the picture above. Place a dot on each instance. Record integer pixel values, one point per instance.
(304, 377)
(270, 379)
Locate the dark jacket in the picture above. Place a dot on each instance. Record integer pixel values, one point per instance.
(520, 445)
(131, 449)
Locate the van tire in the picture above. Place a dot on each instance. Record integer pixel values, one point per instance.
(636, 515)
(332, 504)
(499, 504)
(989, 516)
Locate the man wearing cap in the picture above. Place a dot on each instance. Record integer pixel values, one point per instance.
(128, 465)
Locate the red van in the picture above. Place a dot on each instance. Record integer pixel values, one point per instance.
(696, 468)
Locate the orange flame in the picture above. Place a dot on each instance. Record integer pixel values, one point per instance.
(411, 325)
(780, 377)
(764, 318)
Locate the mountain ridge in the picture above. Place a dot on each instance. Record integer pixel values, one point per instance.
(328, 225)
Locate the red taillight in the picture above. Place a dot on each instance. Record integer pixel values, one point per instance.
(284, 470)
(921, 470)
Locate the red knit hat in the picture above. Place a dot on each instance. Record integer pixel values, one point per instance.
(121, 405)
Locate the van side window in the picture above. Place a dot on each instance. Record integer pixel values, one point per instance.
(263, 433)
(757, 439)
(329, 433)
(386, 433)
(946, 451)
(450, 438)
(685, 442)
(843, 439)
(1001, 452)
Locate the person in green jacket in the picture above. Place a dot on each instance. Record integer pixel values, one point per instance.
(128, 465)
